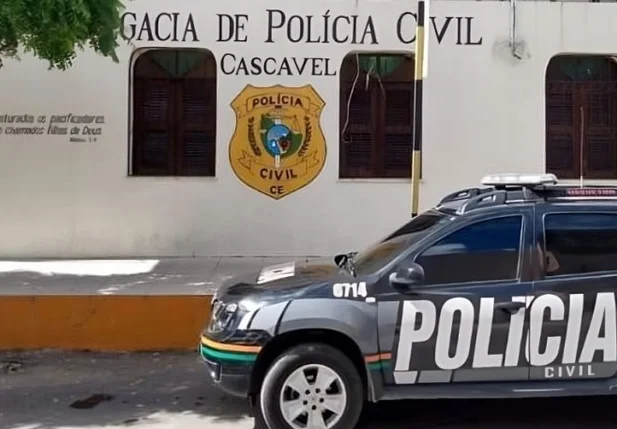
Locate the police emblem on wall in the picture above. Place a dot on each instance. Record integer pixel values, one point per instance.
(278, 146)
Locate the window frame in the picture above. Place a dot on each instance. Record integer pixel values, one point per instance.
(175, 86)
(521, 251)
(570, 211)
(377, 125)
(581, 96)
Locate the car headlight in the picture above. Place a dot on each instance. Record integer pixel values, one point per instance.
(222, 316)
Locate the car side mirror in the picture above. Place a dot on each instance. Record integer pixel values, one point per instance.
(406, 278)
(340, 260)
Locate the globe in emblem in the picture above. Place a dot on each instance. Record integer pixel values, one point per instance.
(278, 140)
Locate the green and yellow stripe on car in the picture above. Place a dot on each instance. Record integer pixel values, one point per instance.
(225, 353)
(379, 361)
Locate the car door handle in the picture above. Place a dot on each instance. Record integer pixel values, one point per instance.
(510, 307)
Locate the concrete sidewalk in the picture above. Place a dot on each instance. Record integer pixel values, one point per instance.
(113, 305)
(165, 276)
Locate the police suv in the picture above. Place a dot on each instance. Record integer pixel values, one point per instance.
(505, 290)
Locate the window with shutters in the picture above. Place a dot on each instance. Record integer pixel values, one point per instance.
(581, 117)
(174, 113)
(376, 118)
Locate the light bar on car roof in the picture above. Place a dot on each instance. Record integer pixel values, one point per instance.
(516, 179)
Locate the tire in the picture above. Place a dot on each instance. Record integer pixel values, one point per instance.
(311, 358)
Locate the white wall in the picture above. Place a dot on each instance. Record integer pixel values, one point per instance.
(484, 113)
(492, 110)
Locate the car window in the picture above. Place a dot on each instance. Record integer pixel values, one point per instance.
(580, 243)
(385, 251)
(484, 251)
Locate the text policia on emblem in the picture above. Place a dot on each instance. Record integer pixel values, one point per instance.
(278, 99)
(578, 344)
(285, 28)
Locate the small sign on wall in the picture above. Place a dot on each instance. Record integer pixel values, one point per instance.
(79, 128)
(278, 146)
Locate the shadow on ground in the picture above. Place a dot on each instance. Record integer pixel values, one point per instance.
(52, 389)
(559, 413)
(47, 390)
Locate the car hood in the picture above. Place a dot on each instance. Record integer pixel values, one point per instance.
(288, 280)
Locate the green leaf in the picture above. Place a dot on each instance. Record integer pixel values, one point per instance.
(55, 30)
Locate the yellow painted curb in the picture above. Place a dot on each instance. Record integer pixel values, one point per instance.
(103, 322)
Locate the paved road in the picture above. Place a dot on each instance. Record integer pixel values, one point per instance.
(85, 390)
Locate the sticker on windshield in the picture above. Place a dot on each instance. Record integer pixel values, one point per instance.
(276, 272)
(349, 290)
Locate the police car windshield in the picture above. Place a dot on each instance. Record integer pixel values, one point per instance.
(385, 251)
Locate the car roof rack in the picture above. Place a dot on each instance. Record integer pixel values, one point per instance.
(520, 188)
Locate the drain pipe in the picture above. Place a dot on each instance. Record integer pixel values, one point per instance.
(513, 50)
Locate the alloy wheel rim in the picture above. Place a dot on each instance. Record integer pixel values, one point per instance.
(313, 397)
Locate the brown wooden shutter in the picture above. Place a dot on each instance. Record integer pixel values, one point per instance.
(581, 111)
(561, 142)
(174, 111)
(376, 138)
(601, 131)
(197, 127)
(398, 141)
(153, 133)
(357, 139)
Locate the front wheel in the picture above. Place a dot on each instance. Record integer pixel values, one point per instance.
(312, 386)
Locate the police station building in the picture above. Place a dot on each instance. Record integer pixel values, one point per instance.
(265, 128)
